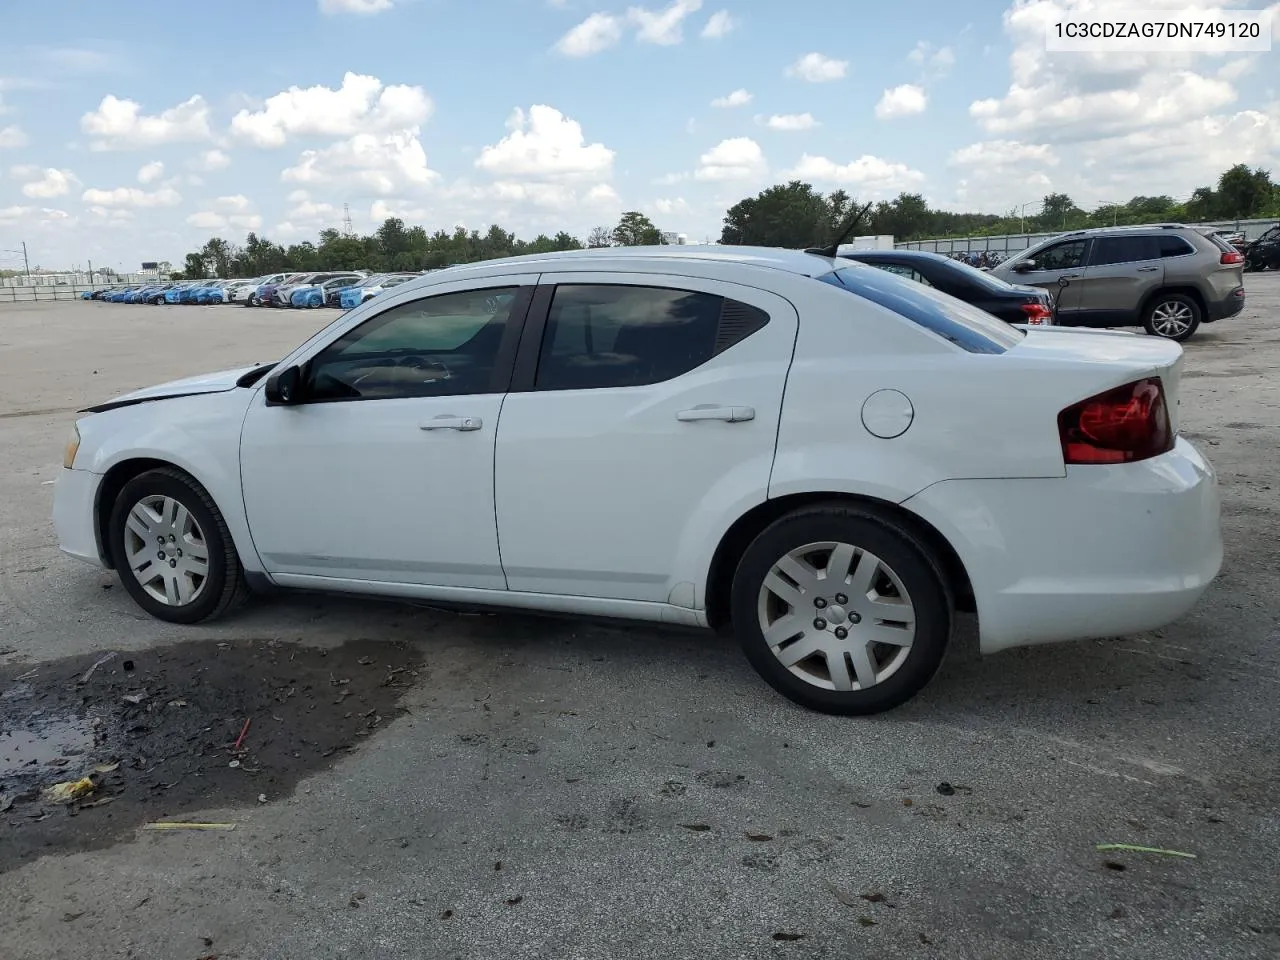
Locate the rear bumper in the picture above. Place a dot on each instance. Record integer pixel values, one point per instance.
(73, 515)
(1229, 307)
(1103, 551)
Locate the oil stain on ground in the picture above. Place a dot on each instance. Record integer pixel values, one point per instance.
(170, 730)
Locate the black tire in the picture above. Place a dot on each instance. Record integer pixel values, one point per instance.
(224, 585)
(1172, 299)
(250, 300)
(899, 548)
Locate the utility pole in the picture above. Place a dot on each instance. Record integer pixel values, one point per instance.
(91, 273)
(25, 262)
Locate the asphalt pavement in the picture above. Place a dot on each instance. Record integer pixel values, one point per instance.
(557, 789)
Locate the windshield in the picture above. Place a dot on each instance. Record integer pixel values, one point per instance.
(965, 326)
(370, 281)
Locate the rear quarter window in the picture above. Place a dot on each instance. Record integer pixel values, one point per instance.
(967, 327)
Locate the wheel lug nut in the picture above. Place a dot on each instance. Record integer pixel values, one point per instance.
(820, 603)
(820, 624)
(841, 633)
(173, 563)
(179, 553)
(841, 598)
(159, 554)
(160, 540)
(855, 617)
(172, 538)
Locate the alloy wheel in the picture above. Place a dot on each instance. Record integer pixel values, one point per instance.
(836, 616)
(1172, 318)
(166, 550)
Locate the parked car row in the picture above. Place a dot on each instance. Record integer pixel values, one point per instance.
(1166, 277)
(344, 290)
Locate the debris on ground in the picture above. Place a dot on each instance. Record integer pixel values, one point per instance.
(186, 825)
(1131, 848)
(147, 732)
(785, 936)
(67, 790)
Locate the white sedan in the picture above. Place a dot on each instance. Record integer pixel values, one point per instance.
(825, 458)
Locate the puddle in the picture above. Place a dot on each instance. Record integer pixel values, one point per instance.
(40, 747)
(180, 728)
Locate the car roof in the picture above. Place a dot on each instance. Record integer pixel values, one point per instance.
(795, 262)
(871, 255)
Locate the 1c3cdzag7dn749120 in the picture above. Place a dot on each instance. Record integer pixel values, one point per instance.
(818, 455)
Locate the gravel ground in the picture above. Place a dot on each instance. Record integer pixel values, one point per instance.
(554, 789)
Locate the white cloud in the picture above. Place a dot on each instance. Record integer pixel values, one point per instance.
(598, 32)
(12, 137)
(42, 184)
(207, 220)
(545, 144)
(10, 216)
(816, 68)
(738, 158)
(791, 122)
(738, 98)
(150, 172)
(667, 207)
(236, 203)
(936, 61)
(362, 105)
(719, 24)
(231, 211)
(663, 27)
(603, 194)
(364, 7)
(901, 101)
(383, 164)
(121, 125)
(869, 172)
(1003, 153)
(132, 197)
(209, 160)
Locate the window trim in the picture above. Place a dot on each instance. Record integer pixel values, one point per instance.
(1085, 257)
(1190, 250)
(525, 371)
(502, 365)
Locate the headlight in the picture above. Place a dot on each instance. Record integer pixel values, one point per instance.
(72, 448)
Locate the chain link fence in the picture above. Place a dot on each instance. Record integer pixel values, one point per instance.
(1009, 244)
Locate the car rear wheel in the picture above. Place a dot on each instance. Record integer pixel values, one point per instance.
(841, 609)
(1173, 316)
(172, 550)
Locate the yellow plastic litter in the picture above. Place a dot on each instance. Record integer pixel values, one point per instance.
(68, 790)
(178, 825)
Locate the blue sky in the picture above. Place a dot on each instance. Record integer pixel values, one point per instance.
(131, 135)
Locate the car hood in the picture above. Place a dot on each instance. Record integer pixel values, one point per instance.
(219, 382)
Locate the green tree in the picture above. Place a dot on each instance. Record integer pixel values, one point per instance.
(1242, 192)
(636, 230)
(794, 215)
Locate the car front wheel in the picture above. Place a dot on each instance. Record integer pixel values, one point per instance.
(172, 550)
(841, 609)
(1173, 316)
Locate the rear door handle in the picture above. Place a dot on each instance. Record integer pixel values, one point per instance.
(1148, 269)
(446, 422)
(709, 411)
(1070, 276)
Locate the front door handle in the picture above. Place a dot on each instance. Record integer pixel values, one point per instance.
(710, 411)
(1070, 276)
(1148, 269)
(446, 422)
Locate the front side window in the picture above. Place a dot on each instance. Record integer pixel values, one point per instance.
(1108, 250)
(602, 335)
(1062, 256)
(445, 345)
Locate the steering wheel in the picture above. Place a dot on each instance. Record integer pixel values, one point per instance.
(426, 364)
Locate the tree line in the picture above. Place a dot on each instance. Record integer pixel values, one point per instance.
(793, 215)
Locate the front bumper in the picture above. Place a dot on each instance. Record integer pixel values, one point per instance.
(74, 521)
(1106, 550)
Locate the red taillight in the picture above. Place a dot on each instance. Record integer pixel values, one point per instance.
(1120, 426)
(1037, 313)
(1235, 256)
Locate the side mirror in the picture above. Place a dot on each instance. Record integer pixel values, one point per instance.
(283, 387)
(1024, 266)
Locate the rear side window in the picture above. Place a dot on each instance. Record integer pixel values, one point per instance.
(600, 336)
(1172, 246)
(1107, 250)
(1220, 243)
(967, 327)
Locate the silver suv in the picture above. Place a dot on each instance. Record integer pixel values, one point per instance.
(1166, 277)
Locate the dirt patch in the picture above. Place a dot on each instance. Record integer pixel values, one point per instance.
(168, 730)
